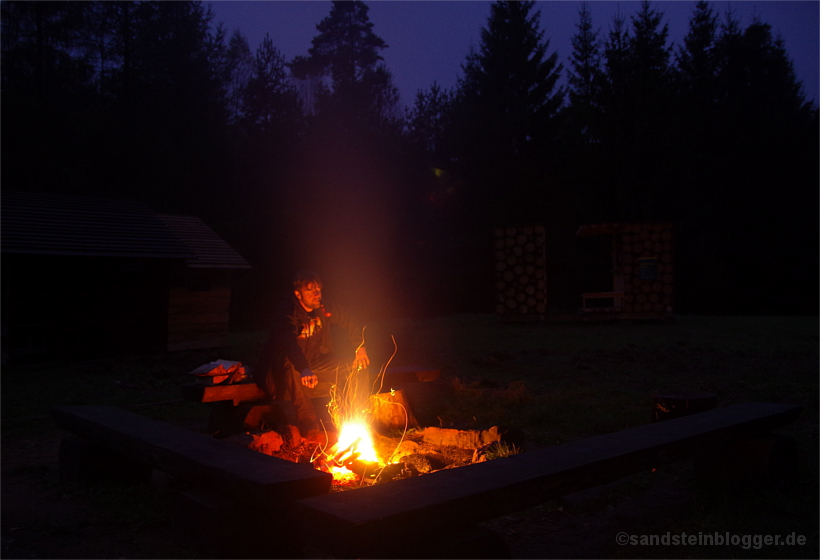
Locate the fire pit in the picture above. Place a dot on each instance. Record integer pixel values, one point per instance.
(359, 456)
(374, 438)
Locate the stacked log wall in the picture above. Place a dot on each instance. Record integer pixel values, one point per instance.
(199, 304)
(520, 272)
(647, 267)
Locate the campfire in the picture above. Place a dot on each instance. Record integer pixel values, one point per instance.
(352, 406)
(360, 453)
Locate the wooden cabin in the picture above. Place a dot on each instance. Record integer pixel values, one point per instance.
(86, 277)
(199, 290)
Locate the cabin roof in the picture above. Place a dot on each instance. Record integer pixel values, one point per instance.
(210, 250)
(49, 224)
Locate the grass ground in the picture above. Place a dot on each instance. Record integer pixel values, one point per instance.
(556, 381)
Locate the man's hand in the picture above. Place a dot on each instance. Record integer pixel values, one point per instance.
(309, 378)
(361, 361)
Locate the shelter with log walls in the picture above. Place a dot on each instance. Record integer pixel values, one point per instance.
(88, 277)
(640, 264)
(642, 271)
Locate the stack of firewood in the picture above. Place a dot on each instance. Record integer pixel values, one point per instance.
(520, 272)
(647, 267)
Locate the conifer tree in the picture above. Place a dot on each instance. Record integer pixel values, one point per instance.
(428, 120)
(695, 78)
(585, 76)
(270, 103)
(697, 59)
(511, 80)
(237, 68)
(637, 104)
(505, 113)
(584, 116)
(344, 65)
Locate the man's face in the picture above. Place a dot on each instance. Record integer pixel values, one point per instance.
(310, 296)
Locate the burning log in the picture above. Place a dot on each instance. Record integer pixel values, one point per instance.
(471, 439)
(393, 471)
(392, 453)
(391, 411)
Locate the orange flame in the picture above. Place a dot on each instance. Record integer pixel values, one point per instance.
(355, 443)
(349, 409)
(355, 437)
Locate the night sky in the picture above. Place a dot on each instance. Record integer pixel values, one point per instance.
(429, 40)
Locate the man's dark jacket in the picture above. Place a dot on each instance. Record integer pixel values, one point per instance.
(303, 340)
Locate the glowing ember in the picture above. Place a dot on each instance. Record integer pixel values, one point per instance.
(343, 474)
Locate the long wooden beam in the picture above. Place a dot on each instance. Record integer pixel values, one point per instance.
(369, 522)
(235, 471)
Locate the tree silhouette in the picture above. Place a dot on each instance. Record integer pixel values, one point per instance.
(696, 78)
(344, 71)
(427, 121)
(584, 120)
(49, 96)
(636, 102)
(511, 80)
(697, 59)
(120, 98)
(145, 100)
(270, 102)
(584, 77)
(237, 66)
(506, 110)
(764, 134)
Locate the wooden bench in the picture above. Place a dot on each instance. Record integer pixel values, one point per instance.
(238, 503)
(245, 474)
(238, 393)
(382, 521)
(616, 297)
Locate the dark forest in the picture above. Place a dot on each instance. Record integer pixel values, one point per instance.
(312, 162)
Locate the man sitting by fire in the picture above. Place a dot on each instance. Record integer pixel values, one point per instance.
(300, 353)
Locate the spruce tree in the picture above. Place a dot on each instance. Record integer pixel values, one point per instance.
(506, 112)
(696, 59)
(637, 104)
(345, 68)
(582, 130)
(511, 80)
(584, 76)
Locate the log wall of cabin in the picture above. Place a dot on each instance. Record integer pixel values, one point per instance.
(199, 302)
